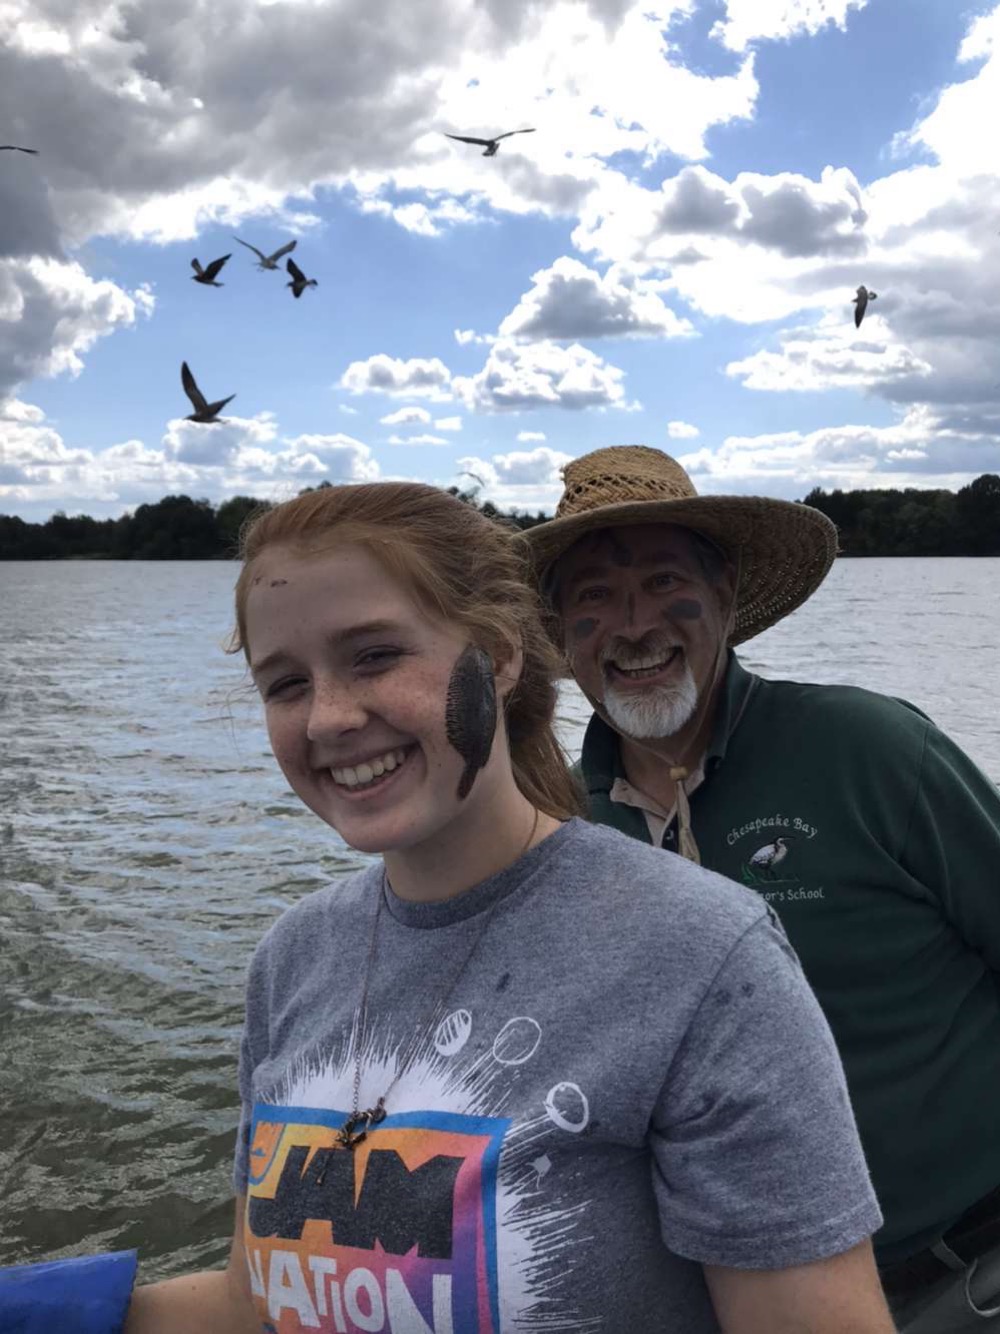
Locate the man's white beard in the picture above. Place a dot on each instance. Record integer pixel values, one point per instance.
(659, 711)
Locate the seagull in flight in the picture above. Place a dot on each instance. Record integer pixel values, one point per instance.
(490, 145)
(861, 304)
(299, 281)
(268, 261)
(16, 148)
(207, 275)
(203, 410)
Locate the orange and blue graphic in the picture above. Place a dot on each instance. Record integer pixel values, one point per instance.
(398, 1233)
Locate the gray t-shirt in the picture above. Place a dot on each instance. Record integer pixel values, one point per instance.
(631, 1076)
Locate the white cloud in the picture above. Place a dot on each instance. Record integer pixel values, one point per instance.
(954, 130)
(351, 412)
(463, 337)
(677, 430)
(39, 471)
(921, 449)
(831, 356)
(747, 21)
(52, 312)
(520, 479)
(767, 248)
(417, 440)
(420, 218)
(526, 436)
(517, 377)
(786, 214)
(570, 301)
(404, 415)
(448, 423)
(215, 445)
(418, 377)
(183, 130)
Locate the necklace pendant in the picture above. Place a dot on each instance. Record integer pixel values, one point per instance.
(349, 1136)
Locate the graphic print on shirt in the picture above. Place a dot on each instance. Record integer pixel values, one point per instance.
(441, 1220)
(771, 867)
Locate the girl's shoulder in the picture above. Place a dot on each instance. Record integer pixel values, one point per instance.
(321, 916)
(605, 875)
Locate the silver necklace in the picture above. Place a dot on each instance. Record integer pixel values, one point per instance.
(356, 1127)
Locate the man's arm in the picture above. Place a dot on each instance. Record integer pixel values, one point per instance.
(953, 842)
(214, 1302)
(840, 1295)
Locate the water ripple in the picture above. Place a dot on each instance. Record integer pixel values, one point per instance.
(148, 839)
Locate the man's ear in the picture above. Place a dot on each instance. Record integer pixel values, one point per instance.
(726, 585)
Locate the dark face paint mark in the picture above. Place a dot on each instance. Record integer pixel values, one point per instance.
(747, 989)
(276, 583)
(684, 609)
(621, 555)
(502, 984)
(471, 712)
(257, 580)
(585, 628)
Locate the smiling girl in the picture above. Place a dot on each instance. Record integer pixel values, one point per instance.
(503, 1079)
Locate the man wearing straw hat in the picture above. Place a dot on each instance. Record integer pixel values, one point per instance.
(874, 838)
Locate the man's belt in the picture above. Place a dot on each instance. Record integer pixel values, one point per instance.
(975, 1233)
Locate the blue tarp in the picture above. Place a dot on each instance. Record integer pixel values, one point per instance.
(85, 1295)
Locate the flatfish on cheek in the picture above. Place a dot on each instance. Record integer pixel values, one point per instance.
(471, 712)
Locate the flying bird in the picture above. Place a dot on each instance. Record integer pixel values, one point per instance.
(16, 148)
(490, 145)
(207, 275)
(268, 261)
(299, 281)
(861, 304)
(203, 410)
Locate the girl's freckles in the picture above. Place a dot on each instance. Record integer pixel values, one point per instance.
(585, 628)
(276, 583)
(684, 609)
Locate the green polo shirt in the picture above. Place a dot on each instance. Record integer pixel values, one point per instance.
(887, 882)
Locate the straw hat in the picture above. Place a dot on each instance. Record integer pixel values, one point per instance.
(783, 549)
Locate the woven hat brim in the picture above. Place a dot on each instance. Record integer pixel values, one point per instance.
(785, 549)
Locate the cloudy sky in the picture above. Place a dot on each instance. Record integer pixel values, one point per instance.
(669, 259)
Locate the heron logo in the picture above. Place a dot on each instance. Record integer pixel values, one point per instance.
(764, 863)
(768, 858)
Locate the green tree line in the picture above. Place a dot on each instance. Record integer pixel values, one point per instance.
(174, 528)
(916, 523)
(870, 523)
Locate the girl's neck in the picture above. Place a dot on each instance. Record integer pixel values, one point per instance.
(486, 838)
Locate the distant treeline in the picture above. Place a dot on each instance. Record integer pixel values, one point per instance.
(916, 523)
(174, 528)
(871, 523)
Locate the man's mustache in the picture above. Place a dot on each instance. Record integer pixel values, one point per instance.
(627, 651)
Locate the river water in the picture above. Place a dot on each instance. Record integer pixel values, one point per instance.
(147, 840)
